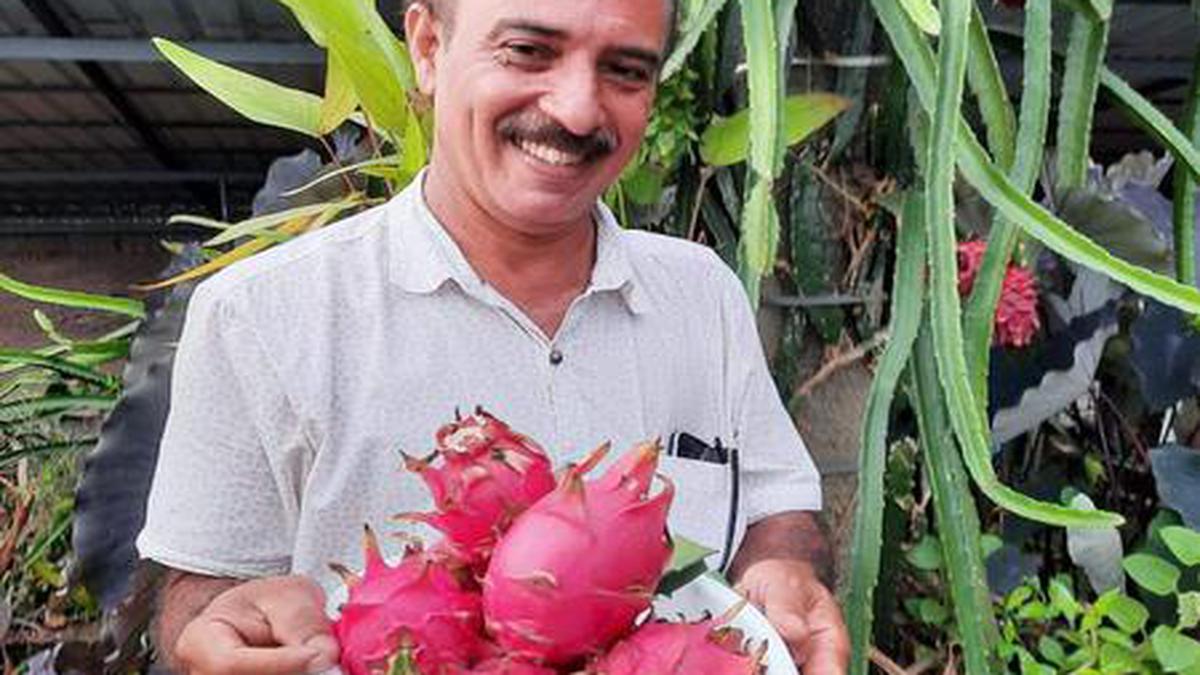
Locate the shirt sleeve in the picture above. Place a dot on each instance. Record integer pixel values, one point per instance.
(222, 503)
(778, 473)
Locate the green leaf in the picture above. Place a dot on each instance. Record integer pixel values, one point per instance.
(1035, 220)
(1189, 610)
(687, 563)
(1152, 573)
(954, 509)
(1175, 651)
(926, 554)
(966, 414)
(686, 553)
(1077, 100)
(373, 59)
(924, 15)
(932, 612)
(727, 140)
(760, 220)
(1152, 120)
(59, 365)
(906, 310)
(340, 99)
(689, 36)
(1062, 599)
(1184, 184)
(1030, 149)
(254, 97)
(987, 83)
(14, 411)
(1184, 543)
(1128, 614)
(1051, 650)
(257, 226)
(74, 299)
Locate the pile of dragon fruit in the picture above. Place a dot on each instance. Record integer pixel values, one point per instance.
(533, 575)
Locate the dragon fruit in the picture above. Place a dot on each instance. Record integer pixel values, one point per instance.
(507, 667)
(707, 647)
(487, 476)
(417, 610)
(573, 572)
(1016, 319)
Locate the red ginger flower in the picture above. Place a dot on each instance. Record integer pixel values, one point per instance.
(1016, 313)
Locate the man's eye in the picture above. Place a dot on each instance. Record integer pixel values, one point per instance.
(525, 53)
(630, 74)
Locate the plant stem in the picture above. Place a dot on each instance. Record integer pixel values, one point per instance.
(1185, 189)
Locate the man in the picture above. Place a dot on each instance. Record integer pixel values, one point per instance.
(494, 279)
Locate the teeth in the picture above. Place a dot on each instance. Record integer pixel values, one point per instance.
(548, 154)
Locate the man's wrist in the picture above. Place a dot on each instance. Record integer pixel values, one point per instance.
(797, 537)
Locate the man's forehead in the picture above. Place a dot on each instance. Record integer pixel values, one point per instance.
(562, 18)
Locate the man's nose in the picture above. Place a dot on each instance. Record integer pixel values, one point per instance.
(575, 101)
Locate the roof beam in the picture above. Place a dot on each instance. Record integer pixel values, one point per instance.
(76, 49)
(106, 87)
(89, 177)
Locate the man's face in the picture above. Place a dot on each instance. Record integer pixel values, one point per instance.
(541, 103)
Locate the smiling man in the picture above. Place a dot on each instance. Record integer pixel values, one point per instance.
(498, 279)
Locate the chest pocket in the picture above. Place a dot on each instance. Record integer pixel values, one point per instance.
(705, 508)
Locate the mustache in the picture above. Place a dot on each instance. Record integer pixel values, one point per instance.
(541, 129)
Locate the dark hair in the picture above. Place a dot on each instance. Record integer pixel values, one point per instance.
(438, 8)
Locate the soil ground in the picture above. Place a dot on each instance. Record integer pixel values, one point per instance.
(96, 264)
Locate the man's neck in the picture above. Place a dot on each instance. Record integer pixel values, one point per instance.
(542, 274)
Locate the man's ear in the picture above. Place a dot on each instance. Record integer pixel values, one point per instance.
(423, 31)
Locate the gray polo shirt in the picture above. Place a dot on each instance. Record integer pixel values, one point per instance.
(302, 372)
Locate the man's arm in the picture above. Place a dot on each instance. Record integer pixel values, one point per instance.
(791, 535)
(785, 567)
(221, 626)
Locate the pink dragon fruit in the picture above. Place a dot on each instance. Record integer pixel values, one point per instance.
(488, 475)
(507, 667)
(574, 571)
(702, 648)
(416, 610)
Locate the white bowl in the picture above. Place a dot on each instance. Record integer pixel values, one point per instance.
(706, 594)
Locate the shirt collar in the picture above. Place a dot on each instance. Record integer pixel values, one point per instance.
(423, 256)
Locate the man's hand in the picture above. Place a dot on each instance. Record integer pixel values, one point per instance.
(271, 626)
(785, 567)
(804, 612)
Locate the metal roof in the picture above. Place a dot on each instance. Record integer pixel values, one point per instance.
(94, 129)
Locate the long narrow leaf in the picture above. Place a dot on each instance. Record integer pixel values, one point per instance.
(1030, 147)
(987, 83)
(255, 226)
(46, 405)
(908, 293)
(689, 36)
(10, 457)
(294, 226)
(59, 365)
(957, 520)
(1185, 188)
(918, 61)
(1077, 101)
(372, 58)
(254, 97)
(727, 140)
(1152, 120)
(760, 221)
(1001, 194)
(340, 98)
(74, 299)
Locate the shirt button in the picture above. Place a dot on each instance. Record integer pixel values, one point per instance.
(556, 357)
